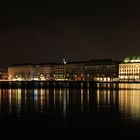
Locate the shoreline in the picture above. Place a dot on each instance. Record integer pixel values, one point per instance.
(69, 84)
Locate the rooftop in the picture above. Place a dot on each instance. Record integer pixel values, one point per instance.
(132, 59)
(102, 62)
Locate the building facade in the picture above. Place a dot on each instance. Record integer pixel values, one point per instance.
(129, 69)
(102, 70)
(29, 72)
(72, 71)
(46, 72)
(22, 72)
(94, 70)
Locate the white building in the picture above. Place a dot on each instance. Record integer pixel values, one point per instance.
(129, 69)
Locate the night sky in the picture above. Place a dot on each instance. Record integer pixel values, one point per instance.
(38, 31)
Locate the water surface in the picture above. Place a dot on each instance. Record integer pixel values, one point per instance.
(71, 112)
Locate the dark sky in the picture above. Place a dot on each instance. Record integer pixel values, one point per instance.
(38, 31)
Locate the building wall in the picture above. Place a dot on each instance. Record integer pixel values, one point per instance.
(69, 72)
(46, 72)
(59, 72)
(102, 72)
(22, 72)
(75, 71)
(129, 71)
(30, 72)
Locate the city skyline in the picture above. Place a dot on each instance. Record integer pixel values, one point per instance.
(69, 69)
(101, 70)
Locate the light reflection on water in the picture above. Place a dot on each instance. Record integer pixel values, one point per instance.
(129, 103)
(62, 101)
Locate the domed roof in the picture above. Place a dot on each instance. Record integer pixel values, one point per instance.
(132, 59)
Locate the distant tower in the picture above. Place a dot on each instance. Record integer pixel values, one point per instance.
(64, 61)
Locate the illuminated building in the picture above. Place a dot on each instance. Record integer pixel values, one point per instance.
(29, 72)
(129, 69)
(102, 70)
(94, 70)
(69, 71)
(46, 71)
(59, 72)
(22, 72)
(75, 71)
(5, 75)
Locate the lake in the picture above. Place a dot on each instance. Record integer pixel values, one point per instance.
(70, 112)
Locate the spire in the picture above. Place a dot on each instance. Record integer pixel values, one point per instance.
(64, 61)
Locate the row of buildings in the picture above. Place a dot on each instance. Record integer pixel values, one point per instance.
(93, 70)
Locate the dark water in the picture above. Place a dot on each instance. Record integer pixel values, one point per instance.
(70, 113)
